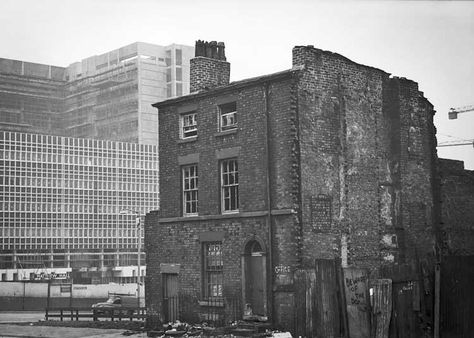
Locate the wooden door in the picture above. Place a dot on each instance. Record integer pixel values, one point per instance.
(170, 297)
(256, 284)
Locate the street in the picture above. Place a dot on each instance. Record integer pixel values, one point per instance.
(21, 316)
(14, 324)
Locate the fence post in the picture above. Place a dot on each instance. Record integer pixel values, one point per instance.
(46, 316)
(437, 300)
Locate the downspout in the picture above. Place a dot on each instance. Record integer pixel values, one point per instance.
(269, 202)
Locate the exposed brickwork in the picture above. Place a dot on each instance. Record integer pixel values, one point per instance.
(359, 129)
(208, 73)
(457, 198)
(347, 152)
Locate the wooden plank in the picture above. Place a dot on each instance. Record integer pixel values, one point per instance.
(356, 292)
(381, 307)
(327, 309)
(437, 301)
(342, 301)
(456, 296)
(300, 302)
(310, 302)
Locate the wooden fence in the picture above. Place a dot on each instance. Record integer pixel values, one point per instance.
(188, 308)
(343, 302)
(457, 297)
(318, 301)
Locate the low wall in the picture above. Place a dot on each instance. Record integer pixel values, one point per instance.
(34, 296)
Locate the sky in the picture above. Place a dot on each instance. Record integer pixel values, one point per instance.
(430, 42)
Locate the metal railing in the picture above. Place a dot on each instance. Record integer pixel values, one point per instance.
(74, 313)
(218, 311)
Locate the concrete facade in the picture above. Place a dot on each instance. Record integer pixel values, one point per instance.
(65, 125)
(105, 96)
(335, 160)
(60, 203)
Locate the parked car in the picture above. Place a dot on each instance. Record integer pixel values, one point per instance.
(116, 304)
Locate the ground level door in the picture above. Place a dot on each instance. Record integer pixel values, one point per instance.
(170, 297)
(255, 279)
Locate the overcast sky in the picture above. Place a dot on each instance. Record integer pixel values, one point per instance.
(429, 42)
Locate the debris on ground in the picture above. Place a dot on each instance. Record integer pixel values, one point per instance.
(237, 329)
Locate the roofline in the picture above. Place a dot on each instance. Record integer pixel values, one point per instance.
(231, 86)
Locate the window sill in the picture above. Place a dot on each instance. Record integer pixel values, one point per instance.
(231, 212)
(213, 303)
(188, 139)
(226, 132)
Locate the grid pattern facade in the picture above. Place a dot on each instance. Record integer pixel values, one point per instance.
(107, 96)
(61, 197)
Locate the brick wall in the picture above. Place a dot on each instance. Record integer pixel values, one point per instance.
(208, 73)
(174, 239)
(415, 171)
(366, 146)
(349, 163)
(457, 200)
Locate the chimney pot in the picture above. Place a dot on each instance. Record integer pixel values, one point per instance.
(209, 67)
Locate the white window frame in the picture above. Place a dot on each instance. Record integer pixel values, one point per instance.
(188, 125)
(228, 116)
(190, 190)
(229, 186)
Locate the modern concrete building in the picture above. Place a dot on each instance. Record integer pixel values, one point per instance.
(60, 204)
(105, 96)
(79, 144)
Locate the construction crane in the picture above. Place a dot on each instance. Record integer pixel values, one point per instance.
(453, 112)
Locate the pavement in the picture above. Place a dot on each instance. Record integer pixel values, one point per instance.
(21, 316)
(15, 324)
(15, 330)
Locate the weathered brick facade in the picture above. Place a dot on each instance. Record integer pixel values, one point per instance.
(457, 198)
(336, 159)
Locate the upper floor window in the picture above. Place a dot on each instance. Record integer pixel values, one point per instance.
(229, 186)
(227, 116)
(190, 190)
(188, 125)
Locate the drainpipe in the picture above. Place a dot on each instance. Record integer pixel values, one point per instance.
(269, 202)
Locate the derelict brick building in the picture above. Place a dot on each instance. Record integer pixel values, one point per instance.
(260, 177)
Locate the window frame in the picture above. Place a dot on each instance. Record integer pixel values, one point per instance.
(228, 111)
(188, 192)
(212, 275)
(229, 191)
(182, 126)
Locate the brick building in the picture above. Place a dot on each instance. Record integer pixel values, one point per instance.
(457, 196)
(260, 177)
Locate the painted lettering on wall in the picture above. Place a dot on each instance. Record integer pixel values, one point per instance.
(356, 287)
(279, 269)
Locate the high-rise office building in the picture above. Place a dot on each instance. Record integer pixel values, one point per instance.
(105, 96)
(61, 202)
(78, 144)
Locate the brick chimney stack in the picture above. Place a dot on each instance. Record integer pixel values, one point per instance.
(209, 67)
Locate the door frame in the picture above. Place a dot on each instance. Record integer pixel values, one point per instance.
(168, 270)
(244, 261)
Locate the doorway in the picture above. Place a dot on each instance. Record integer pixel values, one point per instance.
(170, 297)
(255, 278)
